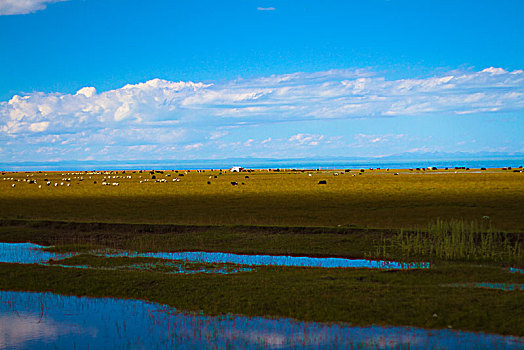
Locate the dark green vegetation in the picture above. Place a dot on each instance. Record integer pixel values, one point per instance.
(320, 241)
(442, 241)
(360, 297)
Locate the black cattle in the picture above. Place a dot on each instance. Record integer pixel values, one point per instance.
(322, 182)
(209, 182)
(247, 177)
(234, 183)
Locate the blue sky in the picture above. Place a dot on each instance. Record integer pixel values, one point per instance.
(116, 80)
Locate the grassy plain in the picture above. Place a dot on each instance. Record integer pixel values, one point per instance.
(354, 216)
(376, 199)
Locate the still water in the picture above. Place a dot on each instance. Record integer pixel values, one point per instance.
(50, 321)
(278, 260)
(28, 253)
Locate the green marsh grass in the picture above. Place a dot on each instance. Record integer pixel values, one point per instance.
(455, 240)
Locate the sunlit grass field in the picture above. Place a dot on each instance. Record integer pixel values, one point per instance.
(373, 199)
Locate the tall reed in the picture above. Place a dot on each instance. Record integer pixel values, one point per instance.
(455, 240)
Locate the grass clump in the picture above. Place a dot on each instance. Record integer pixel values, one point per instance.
(455, 240)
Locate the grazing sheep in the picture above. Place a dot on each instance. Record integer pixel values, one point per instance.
(13, 185)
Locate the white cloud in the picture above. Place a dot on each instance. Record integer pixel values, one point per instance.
(87, 91)
(168, 114)
(193, 146)
(306, 139)
(265, 8)
(39, 127)
(22, 7)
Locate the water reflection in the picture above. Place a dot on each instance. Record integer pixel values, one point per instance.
(28, 253)
(500, 286)
(490, 285)
(49, 321)
(278, 260)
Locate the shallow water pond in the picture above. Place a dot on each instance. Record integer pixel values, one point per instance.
(50, 321)
(490, 285)
(27, 253)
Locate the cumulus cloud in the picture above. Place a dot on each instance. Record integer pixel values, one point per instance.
(22, 7)
(170, 114)
(265, 8)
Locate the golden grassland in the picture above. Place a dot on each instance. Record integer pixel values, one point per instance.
(376, 198)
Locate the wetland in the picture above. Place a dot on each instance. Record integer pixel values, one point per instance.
(384, 256)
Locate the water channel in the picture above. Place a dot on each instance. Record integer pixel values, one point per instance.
(28, 253)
